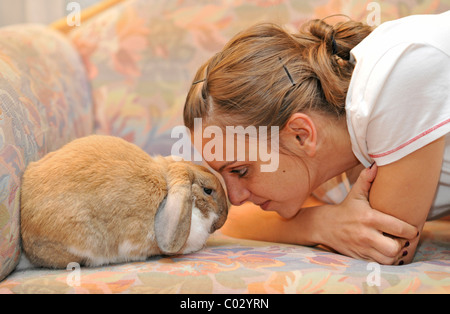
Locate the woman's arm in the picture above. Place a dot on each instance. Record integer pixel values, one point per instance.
(352, 228)
(355, 229)
(405, 189)
(248, 221)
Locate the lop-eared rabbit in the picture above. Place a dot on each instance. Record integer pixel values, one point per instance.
(101, 200)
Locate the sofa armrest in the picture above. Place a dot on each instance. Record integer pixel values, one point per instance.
(45, 101)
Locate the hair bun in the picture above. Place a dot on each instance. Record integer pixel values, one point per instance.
(321, 30)
(328, 52)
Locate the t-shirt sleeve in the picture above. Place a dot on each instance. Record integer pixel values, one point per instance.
(408, 98)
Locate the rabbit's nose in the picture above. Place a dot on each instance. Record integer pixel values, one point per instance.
(224, 206)
(220, 222)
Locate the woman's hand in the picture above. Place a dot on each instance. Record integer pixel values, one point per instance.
(355, 229)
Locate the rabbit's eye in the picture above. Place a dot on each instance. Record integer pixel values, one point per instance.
(207, 191)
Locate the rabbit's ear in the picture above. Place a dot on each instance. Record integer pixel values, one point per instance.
(173, 219)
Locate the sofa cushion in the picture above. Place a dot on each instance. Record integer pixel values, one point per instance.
(45, 101)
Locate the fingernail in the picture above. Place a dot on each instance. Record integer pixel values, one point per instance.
(405, 253)
(401, 263)
(372, 165)
(406, 244)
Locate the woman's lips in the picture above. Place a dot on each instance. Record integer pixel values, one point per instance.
(265, 205)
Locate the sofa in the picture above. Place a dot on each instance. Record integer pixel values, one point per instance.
(125, 71)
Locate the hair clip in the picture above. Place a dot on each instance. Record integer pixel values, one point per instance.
(200, 81)
(287, 72)
(334, 45)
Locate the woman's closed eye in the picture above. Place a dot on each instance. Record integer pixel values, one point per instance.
(241, 172)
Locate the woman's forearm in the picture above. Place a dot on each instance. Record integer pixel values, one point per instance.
(250, 222)
(307, 227)
(352, 228)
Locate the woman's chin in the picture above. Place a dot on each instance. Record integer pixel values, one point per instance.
(285, 212)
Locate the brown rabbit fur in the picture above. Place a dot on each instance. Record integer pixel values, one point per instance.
(101, 200)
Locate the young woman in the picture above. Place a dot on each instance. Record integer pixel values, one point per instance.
(343, 97)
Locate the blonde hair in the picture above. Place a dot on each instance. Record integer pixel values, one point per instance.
(265, 74)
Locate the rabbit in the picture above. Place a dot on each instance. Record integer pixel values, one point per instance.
(101, 200)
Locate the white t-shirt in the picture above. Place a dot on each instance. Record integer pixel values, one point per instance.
(399, 96)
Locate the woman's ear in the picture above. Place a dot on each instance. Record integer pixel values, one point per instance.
(301, 127)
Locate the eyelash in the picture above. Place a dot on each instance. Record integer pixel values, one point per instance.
(240, 172)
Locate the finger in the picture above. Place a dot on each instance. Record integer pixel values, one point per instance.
(404, 255)
(380, 258)
(374, 255)
(384, 249)
(395, 227)
(389, 246)
(371, 172)
(392, 250)
(363, 184)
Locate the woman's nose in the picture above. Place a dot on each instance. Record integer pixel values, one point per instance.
(237, 193)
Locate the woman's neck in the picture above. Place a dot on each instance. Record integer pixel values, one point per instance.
(334, 153)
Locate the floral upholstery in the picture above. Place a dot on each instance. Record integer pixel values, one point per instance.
(141, 56)
(228, 265)
(45, 102)
(126, 73)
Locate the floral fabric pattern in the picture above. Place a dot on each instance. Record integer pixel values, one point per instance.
(230, 265)
(142, 55)
(126, 72)
(45, 102)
